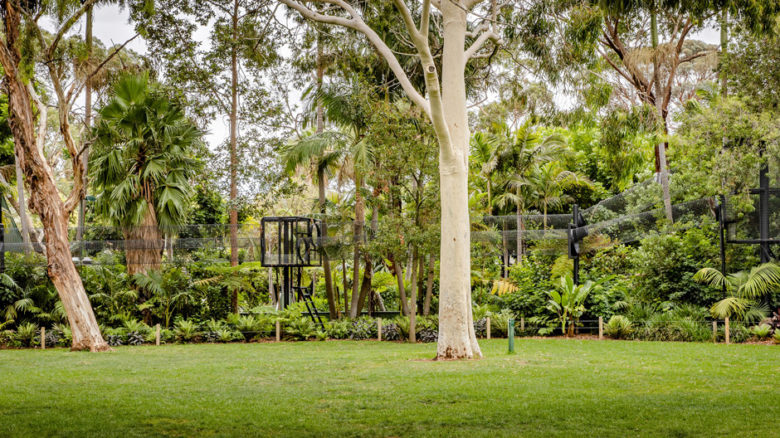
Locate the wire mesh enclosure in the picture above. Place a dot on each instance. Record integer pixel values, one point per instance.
(290, 241)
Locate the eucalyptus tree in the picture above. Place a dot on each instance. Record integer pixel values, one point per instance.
(27, 45)
(445, 105)
(223, 75)
(141, 165)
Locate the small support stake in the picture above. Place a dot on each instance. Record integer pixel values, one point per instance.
(379, 329)
(728, 335)
(157, 335)
(487, 327)
(715, 331)
(43, 338)
(510, 334)
(278, 330)
(601, 328)
(522, 324)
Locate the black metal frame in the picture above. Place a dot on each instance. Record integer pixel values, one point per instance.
(575, 234)
(296, 247)
(763, 241)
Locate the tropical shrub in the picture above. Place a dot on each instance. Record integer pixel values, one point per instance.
(185, 330)
(761, 331)
(300, 329)
(363, 328)
(618, 327)
(390, 332)
(27, 334)
(339, 329)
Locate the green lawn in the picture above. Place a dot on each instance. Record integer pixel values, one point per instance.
(549, 388)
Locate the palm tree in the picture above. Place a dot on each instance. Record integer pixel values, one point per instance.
(321, 154)
(550, 182)
(141, 164)
(345, 105)
(744, 288)
(520, 154)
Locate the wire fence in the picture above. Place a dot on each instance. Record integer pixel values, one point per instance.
(622, 219)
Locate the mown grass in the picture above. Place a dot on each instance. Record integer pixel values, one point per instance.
(549, 388)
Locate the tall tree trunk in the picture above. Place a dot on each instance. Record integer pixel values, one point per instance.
(724, 49)
(413, 305)
(87, 125)
(44, 197)
(661, 165)
(398, 271)
(144, 244)
(368, 271)
(345, 284)
(234, 148)
(24, 218)
(360, 219)
(322, 182)
(519, 234)
(457, 338)
(429, 285)
(504, 251)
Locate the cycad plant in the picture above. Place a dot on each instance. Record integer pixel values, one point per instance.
(140, 166)
(744, 289)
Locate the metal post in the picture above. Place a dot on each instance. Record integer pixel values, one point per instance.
(510, 334)
(576, 274)
(763, 211)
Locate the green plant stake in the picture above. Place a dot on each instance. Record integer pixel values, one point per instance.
(510, 333)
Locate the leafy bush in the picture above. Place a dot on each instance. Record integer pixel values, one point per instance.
(480, 327)
(339, 329)
(777, 336)
(249, 326)
(390, 332)
(428, 334)
(8, 338)
(300, 329)
(185, 330)
(669, 327)
(619, 327)
(665, 265)
(363, 328)
(27, 334)
(499, 322)
(65, 335)
(761, 331)
(402, 324)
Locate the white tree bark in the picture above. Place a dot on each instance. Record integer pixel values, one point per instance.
(445, 105)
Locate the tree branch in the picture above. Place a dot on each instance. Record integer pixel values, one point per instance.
(356, 23)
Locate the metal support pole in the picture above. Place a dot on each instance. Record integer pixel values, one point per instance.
(763, 211)
(510, 334)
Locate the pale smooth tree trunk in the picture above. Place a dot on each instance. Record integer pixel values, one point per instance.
(445, 104)
(457, 338)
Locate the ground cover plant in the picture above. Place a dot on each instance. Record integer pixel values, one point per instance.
(551, 387)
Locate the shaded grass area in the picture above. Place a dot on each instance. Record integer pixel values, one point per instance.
(549, 388)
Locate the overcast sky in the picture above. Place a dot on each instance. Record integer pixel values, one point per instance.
(111, 25)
